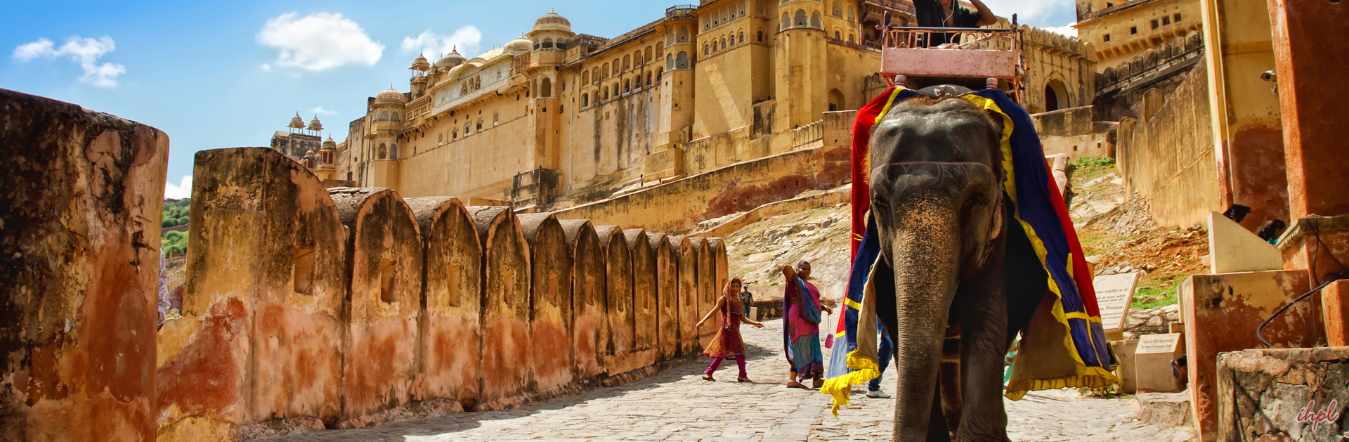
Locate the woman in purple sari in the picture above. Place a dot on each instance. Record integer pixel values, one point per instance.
(801, 326)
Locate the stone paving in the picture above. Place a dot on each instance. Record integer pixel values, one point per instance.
(677, 405)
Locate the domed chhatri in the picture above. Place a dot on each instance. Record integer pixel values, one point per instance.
(329, 144)
(518, 46)
(552, 22)
(315, 125)
(390, 96)
(420, 64)
(296, 122)
(451, 60)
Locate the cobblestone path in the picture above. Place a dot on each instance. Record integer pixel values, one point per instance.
(677, 405)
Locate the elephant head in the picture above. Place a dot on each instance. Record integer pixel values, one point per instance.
(937, 198)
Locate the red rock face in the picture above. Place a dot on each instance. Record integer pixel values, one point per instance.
(77, 345)
(505, 317)
(380, 368)
(451, 323)
(667, 296)
(689, 309)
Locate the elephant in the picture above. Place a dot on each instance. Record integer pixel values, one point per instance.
(965, 276)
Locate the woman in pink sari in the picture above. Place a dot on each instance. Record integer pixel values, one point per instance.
(801, 326)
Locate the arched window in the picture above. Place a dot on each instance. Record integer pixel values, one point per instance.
(732, 39)
(835, 101)
(383, 115)
(682, 60)
(585, 101)
(606, 70)
(648, 79)
(837, 36)
(816, 22)
(786, 21)
(801, 19)
(479, 127)
(742, 8)
(838, 9)
(723, 42)
(393, 151)
(851, 39)
(546, 90)
(627, 63)
(669, 61)
(658, 73)
(383, 151)
(455, 135)
(468, 129)
(395, 116)
(585, 77)
(561, 44)
(595, 75)
(627, 86)
(742, 36)
(547, 43)
(760, 36)
(646, 57)
(604, 96)
(682, 35)
(496, 118)
(705, 51)
(852, 14)
(616, 90)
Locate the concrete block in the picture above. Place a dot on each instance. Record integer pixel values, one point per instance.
(589, 325)
(79, 245)
(1282, 394)
(451, 325)
(643, 297)
(384, 298)
(1234, 249)
(1221, 314)
(1124, 350)
(550, 302)
(1165, 409)
(1152, 363)
(618, 300)
(689, 309)
(1114, 294)
(505, 306)
(667, 295)
(1335, 309)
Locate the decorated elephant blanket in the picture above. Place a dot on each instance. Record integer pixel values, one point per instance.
(1063, 346)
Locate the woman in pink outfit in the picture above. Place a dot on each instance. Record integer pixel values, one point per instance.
(728, 343)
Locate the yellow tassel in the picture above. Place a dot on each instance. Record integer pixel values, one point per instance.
(865, 370)
(1094, 378)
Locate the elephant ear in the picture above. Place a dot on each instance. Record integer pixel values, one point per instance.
(995, 225)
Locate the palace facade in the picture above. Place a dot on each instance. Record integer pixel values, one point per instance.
(557, 118)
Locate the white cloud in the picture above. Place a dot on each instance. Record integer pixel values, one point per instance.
(182, 190)
(319, 41)
(321, 110)
(265, 67)
(1065, 30)
(431, 44)
(86, 51)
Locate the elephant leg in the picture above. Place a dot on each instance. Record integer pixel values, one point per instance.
(937, 429)
(983, 330)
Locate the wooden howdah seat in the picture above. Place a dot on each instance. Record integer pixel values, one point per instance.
(984, 58)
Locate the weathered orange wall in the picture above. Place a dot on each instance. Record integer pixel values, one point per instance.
(588, 297)
(81, 263)
(643, 296)
(505, 301)
(618, 303)
(707, 289)
(667, 296)
(384, 255)
(550, 302)
(690, 311)
(452, 320)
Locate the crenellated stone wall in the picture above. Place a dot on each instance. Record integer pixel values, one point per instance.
(310, 308)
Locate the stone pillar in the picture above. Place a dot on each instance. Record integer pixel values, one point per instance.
(550, 301)
(451, 323)
(689, 312)
(643, 296)
(667, 296)
(384, 255)
(588, 297)
(1311, 55)
(505, 306)
(618, 298)
(79, 245)
(1335, 311)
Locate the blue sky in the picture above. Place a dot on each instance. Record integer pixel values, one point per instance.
(228, 74)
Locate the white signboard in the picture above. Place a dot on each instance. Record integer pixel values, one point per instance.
(1166, 343)
(1114, 293)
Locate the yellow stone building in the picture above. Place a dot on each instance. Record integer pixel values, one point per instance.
(1120, 30)
(556, 118)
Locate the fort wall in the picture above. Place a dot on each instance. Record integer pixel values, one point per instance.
(310, 308)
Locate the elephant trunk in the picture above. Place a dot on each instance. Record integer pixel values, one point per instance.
(925, 255)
